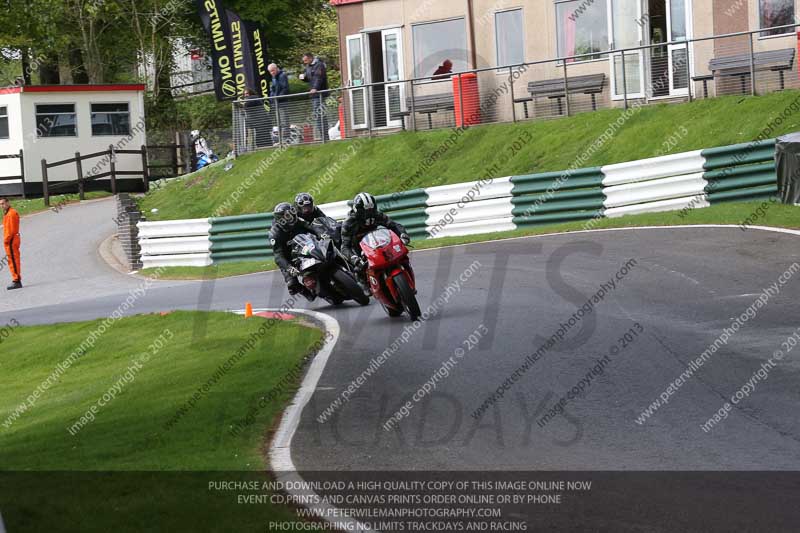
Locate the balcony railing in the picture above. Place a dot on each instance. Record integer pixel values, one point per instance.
(704, 67)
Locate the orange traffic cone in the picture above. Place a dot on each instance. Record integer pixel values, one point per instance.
(248, 310)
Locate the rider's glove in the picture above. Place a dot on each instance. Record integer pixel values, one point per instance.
(325, 236)
(405, 238)
(294, 286)
(355, 260)
(292, 271)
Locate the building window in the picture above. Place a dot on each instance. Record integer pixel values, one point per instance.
(509, 31)
(440, 48)
(776, 13)
(56, 120)
(4, 122)
(582, 28)
(111, 119)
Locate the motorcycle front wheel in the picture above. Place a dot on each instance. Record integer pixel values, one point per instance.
(350, 287)
(407, 298)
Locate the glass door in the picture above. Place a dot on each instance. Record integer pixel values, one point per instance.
(393, 72)
(357, 74)
(625, 29)
(677, 53)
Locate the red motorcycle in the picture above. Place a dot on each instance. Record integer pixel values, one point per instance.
(389, 272)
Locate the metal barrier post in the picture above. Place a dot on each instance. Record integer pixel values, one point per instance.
(513, 106)
(624, 81)
(369, 111)
(413, 109)
(280, 123)
(688, 73)
(752, 66)
(566, 87)
(323, 123)
(461, 98)
(79, 167)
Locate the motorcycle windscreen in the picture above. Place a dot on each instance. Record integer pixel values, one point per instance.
(303, 244)
(377, 239)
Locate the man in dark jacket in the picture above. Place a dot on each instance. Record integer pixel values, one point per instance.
(363, 218)
(316, 75)
(286, 225)
(280, 87)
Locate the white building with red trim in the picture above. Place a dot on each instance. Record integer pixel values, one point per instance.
(53, 122)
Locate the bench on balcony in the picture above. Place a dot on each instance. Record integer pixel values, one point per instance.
(590, 84)
(427, 104)
(739, 66)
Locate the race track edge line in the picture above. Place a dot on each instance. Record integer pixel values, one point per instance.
(280, 451)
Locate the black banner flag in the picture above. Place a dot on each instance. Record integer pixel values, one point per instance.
(258, 45)
(241, 45)
(214, 19)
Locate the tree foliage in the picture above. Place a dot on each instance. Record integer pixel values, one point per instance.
(108, 41)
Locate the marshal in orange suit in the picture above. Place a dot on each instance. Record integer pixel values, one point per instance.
(11, 242)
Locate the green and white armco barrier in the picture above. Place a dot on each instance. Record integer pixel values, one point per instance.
(674, 182)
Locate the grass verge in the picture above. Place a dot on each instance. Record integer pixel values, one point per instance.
(777, 215)
(36, 205)
(128, 469)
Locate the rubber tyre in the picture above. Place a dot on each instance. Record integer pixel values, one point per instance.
(407, 298)
(391, 312)
(350, 287)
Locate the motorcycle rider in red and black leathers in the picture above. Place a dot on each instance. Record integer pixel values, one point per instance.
(286, 226)
(363, 218)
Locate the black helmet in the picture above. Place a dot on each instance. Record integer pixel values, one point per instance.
(304, 203)
(364, 205)
(284, 214)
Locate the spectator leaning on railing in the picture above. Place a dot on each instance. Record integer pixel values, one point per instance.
(280, 87)
(316, 75)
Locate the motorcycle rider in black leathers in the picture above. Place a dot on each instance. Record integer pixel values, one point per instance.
(286, 226)
(304, 203)
(309, 212)
(363, 218)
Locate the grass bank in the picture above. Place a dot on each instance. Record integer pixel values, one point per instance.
(338, 170)
(137, 466)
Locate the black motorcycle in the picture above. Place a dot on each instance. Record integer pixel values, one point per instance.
(324, 272)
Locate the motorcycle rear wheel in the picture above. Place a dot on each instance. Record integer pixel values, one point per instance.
(350, 287)
(407, 298)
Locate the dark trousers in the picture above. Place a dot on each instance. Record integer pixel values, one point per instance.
(320, 116)
(282, 121)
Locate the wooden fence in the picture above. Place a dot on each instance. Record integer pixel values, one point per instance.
(176, 166)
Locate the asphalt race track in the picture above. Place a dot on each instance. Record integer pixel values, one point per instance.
(679, 291)
(687, 285)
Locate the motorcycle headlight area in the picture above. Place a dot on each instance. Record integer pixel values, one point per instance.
(378, 238)
(307, 264)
